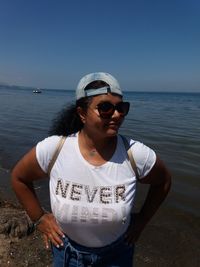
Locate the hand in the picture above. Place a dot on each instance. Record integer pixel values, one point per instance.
(50, 230)
(134, 230)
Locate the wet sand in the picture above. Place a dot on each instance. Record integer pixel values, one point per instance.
(172, 238)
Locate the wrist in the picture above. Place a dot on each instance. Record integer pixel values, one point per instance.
(39, 220)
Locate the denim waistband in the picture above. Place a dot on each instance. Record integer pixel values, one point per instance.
(71, 248)
(97, 250)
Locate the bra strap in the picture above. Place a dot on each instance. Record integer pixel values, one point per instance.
(56, 153)
(130, 156)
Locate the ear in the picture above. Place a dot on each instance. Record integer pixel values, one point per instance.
(82, 114)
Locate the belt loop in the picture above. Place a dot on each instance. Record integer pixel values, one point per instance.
(93, 258)
(70, 249)
(65, 257)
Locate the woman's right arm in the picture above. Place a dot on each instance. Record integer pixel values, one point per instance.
(24, 173)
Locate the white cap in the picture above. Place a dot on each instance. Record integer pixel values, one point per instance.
(114, 86)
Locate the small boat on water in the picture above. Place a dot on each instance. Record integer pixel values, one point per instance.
(37, 91)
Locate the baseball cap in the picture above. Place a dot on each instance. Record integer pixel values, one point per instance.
(113, 87)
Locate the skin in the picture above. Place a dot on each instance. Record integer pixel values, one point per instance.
(98, 135)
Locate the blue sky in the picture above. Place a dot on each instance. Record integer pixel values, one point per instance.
(145, 44)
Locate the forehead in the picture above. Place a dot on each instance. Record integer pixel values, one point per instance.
(113, 98)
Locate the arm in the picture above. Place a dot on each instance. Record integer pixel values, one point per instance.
(159, 180)
(24, 173)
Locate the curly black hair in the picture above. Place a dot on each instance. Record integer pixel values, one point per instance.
(67, 121)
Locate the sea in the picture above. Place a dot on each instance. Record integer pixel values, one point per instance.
(168, 122)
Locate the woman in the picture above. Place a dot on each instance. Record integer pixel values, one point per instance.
(92, 183)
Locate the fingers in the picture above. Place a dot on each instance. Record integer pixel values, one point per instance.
(55, 239)
(58, 231)
(51, 231)
(46, 241)
(132, 233)
(130, 238)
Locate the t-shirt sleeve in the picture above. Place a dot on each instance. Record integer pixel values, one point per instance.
(45, 150)
(144, 157)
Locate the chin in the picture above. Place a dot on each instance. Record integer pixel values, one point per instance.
(112, 132)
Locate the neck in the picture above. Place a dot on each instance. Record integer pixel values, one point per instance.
(93, 142)
(94, 146)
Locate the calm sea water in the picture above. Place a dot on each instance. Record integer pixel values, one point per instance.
(167, 122)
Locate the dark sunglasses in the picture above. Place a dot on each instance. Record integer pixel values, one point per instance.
(107, 109)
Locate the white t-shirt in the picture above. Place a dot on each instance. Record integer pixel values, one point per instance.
(92, 204)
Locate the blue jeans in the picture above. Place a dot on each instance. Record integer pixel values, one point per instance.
(117, 254)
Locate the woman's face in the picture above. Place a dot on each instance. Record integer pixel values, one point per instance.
(98, 126)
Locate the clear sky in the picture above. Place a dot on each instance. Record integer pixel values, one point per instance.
(145, 44)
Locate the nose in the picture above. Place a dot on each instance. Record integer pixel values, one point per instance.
(117, 115)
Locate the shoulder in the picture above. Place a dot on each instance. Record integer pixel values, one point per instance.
(144, 156)
(49, 141)
(140, 150)
(159, 174)
(45, 150)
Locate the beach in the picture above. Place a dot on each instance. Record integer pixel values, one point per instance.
(170, 239)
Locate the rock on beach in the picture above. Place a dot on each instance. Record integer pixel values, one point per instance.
(19, 247)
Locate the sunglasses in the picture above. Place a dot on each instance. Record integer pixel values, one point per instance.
(107, 109)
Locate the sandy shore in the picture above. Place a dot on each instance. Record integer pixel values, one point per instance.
(172, 238)
(17, 246)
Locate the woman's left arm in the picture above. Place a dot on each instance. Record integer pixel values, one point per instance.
(159, 180)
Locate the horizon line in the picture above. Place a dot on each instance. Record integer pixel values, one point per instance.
(73, 90)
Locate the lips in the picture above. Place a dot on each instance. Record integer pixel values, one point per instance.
(113, 125)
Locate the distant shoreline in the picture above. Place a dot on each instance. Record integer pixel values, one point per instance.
(21, 87)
